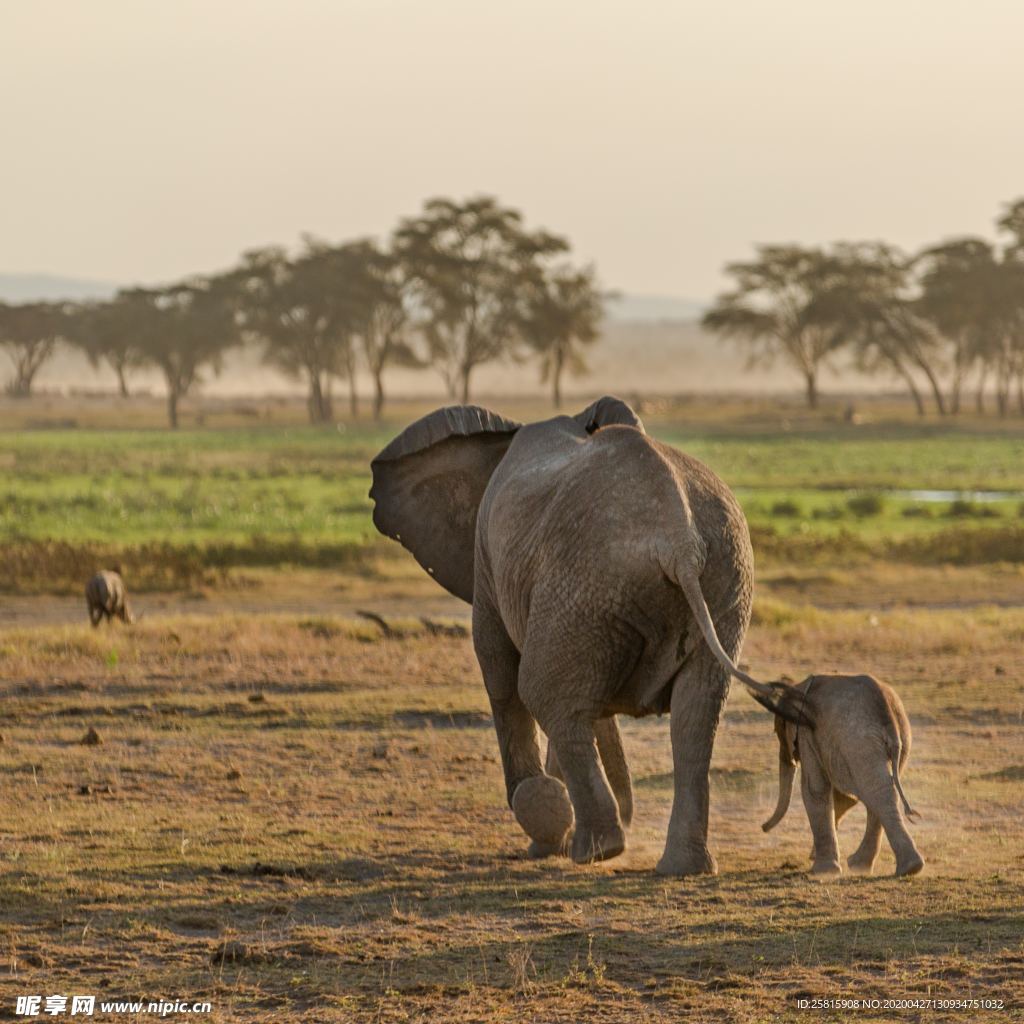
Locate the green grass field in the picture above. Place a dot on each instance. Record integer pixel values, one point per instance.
(164, 503)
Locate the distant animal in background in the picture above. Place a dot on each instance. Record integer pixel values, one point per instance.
(855, 727)
(107, 597)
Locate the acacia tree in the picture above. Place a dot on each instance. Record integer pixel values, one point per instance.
(868, 292)
(1012, 223)
(182, 330)
(775, 309)
(29, 333)
(376, 291)
(291, 306)
(966, 295)
(563, 313)
(103, 331)
(468, 265)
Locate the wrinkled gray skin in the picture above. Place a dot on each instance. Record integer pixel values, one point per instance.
(106, 597)
(859, 729)
(609, 574)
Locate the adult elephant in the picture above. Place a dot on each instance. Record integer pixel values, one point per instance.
(609, 574)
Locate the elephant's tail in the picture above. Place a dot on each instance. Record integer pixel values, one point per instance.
(776, 697)
(895, 754)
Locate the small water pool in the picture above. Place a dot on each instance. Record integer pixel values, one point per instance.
(975, 496)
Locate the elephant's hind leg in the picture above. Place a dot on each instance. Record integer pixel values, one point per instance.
(540, 803)
(613, 757)
(880, 798)
(698, 696)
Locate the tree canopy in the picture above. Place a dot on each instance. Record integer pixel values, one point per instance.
(562, 317)
(778, 308)
(29, 333)
(469, 266)
(183, 330)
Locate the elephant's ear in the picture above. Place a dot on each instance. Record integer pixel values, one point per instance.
(606, 411)
(427, 486)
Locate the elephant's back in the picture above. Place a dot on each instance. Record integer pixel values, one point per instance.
(613, 496)
(593, 515)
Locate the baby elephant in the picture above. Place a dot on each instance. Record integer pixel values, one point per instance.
(853, 729)
(106, 596)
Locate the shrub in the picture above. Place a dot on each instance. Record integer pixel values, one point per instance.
(962, 508)
(786, 509)
(962, 545)
(917, 512)
(864, 505)
(831, 512)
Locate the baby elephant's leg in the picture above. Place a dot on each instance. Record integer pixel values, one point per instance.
(817, 795)
(862, 860)
(841, 803)
(881, 800)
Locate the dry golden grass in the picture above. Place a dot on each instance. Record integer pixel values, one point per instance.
(298, 819)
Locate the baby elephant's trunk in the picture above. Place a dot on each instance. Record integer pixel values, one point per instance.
(787, 771)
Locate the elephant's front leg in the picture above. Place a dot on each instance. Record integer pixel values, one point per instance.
(556, 684)
(599, 834)
(613, 760)
(841, 803)
(816, 790)
(697, 699)
(540, 803)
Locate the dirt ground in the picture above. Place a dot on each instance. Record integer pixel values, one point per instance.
(298, 818)
(398, 588)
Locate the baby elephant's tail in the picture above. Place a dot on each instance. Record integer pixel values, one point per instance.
(894, 756)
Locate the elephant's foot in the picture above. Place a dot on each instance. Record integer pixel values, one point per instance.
(542, 807)
(823, 868)
(860, 864)
(687, 860)
(909, 865)
(589, 845)
(538, 850)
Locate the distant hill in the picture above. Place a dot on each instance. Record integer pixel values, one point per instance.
(51, 287)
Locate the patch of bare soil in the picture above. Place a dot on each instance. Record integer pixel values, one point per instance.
(351, 857)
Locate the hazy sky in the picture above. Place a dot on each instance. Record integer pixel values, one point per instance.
(145, 139)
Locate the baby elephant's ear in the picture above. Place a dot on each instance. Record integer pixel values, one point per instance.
(427, 486)
(606, 411)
